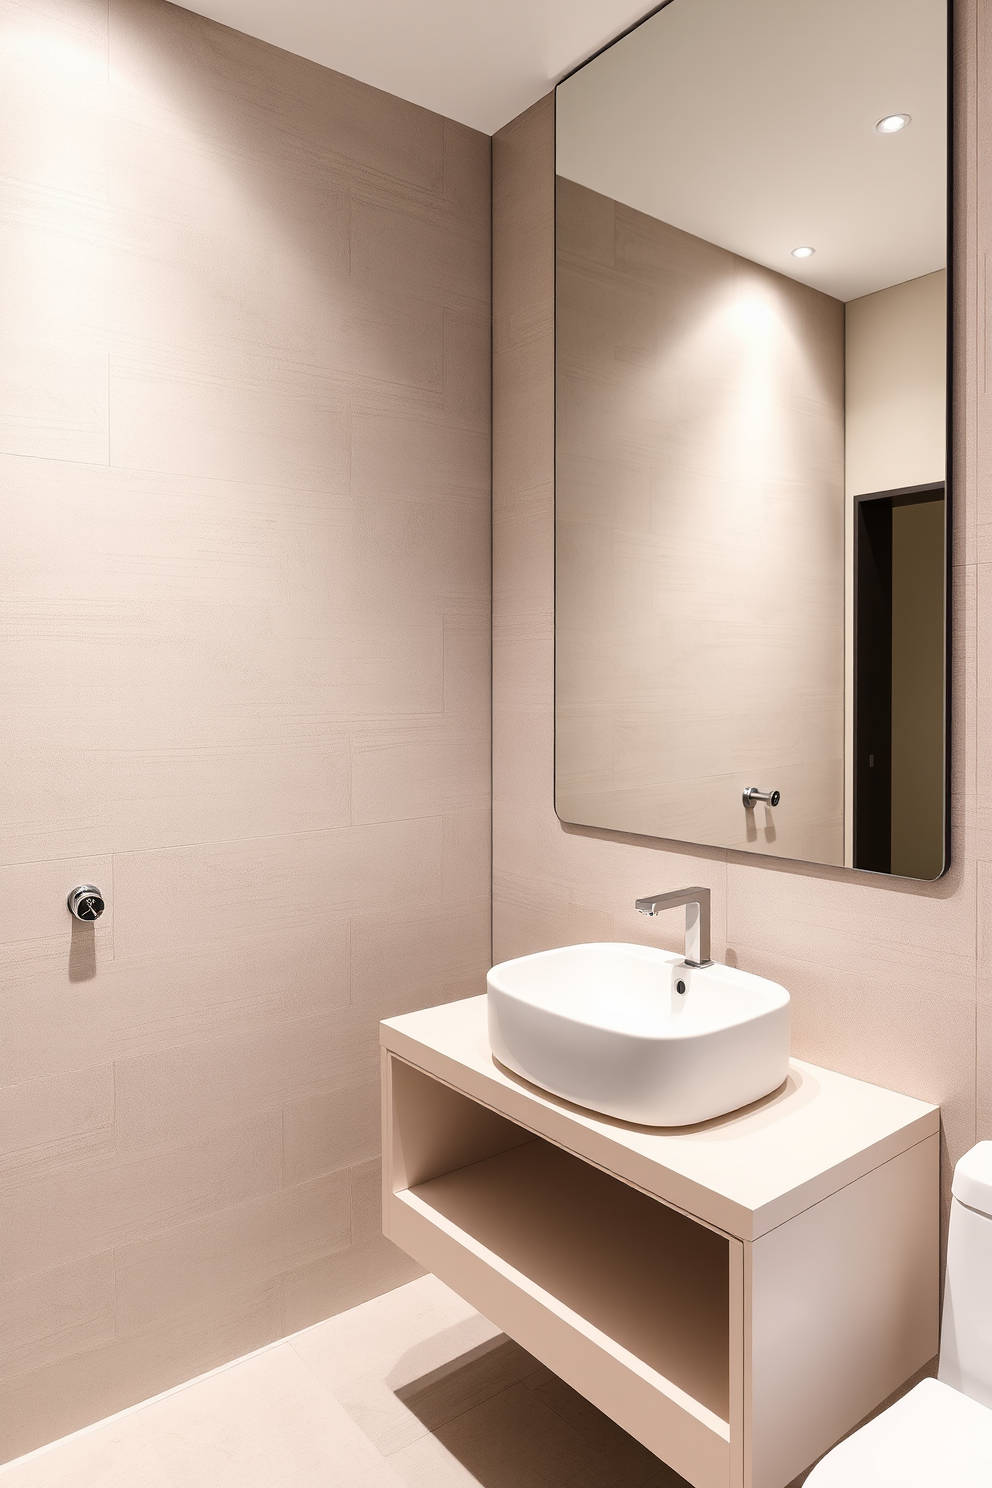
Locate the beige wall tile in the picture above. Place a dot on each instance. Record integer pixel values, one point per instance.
(263, 102)
(56, 1313)
(51, 1219)
(427, 770)
(56, 404)
(406, 458)
(174, 1095)
(50, 1024)
(52, 131)
(56, 1120)
(341, 1280)
(330, 1131)
(222, 892)
(231, 430)
(467, 367)
(403, 961)
(230, 1252)
(78, 1388)
(392, 242)
(466, 838)
(467, 661)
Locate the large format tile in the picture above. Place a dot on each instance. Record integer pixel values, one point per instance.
(412, 960)
(53, 1217)
(50, 1314)
(264, 1423)
(51, 1022)
(230, 1253)
(432, 769)
(408, 1332)
(342, 1279)
(260, 101)
(221, 892)
(76, 1388)
(181, 1093)
(117, 1455)
(52, 1121)
(335, 1129)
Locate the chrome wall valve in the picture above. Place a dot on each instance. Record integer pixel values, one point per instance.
(752, 795)
(86, 903)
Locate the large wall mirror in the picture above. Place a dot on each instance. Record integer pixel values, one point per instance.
(751, 441)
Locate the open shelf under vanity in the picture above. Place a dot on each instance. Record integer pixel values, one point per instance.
(735, 1295)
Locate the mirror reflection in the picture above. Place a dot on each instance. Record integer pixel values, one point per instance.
(751, 504)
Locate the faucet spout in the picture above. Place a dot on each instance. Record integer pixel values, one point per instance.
(697, 919)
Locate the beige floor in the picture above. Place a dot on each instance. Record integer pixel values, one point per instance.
(411, 1390)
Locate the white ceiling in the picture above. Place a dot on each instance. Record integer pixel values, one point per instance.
(752, 125)
(478, 61)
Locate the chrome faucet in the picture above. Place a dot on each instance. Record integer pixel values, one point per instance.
(697, 919)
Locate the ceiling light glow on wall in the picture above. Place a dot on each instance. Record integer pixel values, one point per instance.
(803, 252)
(892, 123)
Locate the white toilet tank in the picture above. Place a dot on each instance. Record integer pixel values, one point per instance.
(966, 1326)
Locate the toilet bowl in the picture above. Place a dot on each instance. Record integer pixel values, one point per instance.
(939, 1435)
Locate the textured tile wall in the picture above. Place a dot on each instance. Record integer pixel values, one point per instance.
(245, 456)
(889, 979)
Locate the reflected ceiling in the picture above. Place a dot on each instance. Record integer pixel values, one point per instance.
(708, 149)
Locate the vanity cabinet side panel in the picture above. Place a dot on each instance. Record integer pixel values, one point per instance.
(842, 1308)
(738, 1335)
(431, 1129)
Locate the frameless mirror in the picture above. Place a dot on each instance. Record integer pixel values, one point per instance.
(751, 432)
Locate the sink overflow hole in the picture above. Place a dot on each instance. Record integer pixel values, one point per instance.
(680, 988)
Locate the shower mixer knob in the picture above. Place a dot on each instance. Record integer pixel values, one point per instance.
(86, 902)
(752, 795)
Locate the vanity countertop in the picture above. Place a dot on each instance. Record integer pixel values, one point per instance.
(744, 1173)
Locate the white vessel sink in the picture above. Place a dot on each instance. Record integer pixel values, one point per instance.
(605, 1026)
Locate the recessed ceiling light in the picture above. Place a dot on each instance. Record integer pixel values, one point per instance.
(803, 252)
(892, 123)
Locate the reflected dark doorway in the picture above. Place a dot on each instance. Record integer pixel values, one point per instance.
(900, 643)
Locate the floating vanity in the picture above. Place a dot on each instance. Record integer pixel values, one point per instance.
(737, 1294)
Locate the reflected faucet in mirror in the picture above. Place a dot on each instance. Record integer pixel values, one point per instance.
(697, 919)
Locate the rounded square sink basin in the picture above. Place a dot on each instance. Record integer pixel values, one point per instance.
(637, 1034)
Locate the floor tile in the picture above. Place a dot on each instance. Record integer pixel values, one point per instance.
(116, 1455)
(411, 1390)
(266, 1422)
(401, 1336)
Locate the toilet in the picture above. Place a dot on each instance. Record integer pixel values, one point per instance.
(939, 1435)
